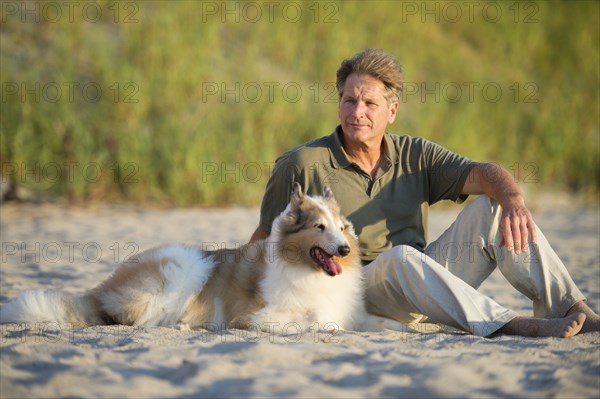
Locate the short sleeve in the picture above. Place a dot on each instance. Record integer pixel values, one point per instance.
(447, 173)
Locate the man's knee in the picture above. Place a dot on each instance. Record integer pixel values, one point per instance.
(481, 217)
(400, 263)
(484, 205)
(400, 254)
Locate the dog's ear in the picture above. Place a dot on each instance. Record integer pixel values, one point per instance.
(328, 194)
(294, 219)
(297, 196)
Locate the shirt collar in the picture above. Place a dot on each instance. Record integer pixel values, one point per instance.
(337, 155)
(339, 158)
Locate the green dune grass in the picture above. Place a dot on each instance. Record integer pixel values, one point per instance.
(190, 103)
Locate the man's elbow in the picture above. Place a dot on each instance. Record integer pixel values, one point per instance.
(474, 181)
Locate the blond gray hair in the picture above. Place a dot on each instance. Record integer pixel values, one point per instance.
(377, 64)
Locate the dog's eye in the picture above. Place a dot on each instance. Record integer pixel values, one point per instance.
(320, 227)
(342, 228)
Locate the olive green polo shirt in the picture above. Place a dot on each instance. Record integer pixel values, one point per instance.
(386, 211)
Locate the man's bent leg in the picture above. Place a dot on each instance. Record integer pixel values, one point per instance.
(405, 284)
(470, 250)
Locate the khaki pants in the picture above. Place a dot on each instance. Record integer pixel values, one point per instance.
(440, 285)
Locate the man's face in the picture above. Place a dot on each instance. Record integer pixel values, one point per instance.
(364, 111)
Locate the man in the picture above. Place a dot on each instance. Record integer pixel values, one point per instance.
(384, 182)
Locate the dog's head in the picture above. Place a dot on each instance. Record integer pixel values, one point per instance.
(312, 231)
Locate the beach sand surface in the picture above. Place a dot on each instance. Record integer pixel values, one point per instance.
(72, 249)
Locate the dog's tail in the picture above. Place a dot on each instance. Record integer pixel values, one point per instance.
(36, 306)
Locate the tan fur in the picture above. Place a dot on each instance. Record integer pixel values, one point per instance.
(288, 278)
(125, 283)
(235, 282)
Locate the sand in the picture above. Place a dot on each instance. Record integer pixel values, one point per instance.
(70, 248)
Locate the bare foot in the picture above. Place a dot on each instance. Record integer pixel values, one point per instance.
(592, 321)
(566, 327)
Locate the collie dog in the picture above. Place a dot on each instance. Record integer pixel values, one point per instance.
(307, 272)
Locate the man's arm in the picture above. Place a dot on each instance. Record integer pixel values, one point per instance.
(259, 234)
(516, 224)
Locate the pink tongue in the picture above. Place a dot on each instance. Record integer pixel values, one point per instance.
(331, 265)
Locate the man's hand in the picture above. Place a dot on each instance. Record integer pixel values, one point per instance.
(517, 227)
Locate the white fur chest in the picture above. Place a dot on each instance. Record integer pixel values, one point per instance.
(302, 295)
